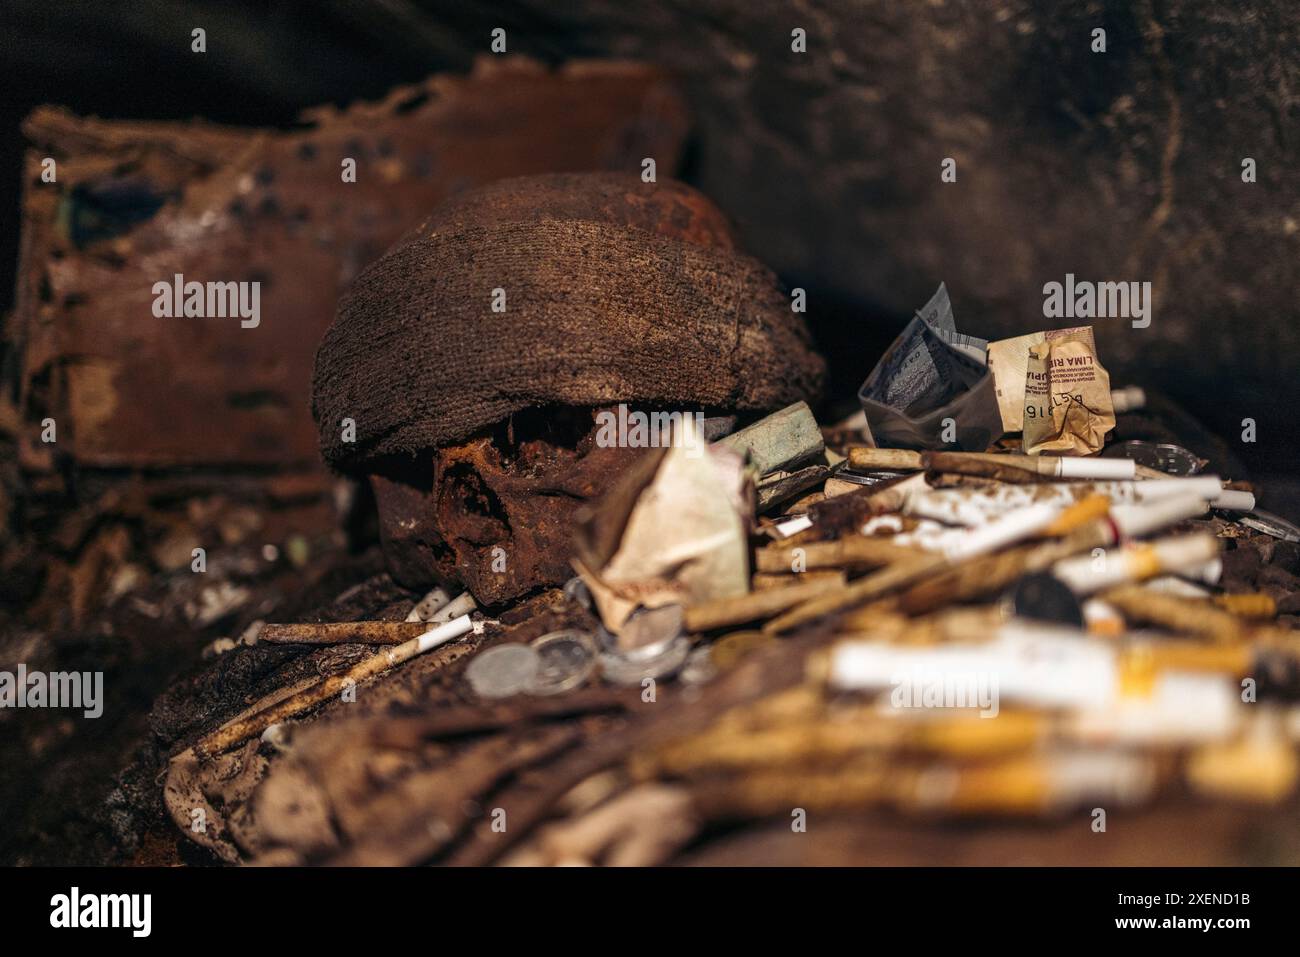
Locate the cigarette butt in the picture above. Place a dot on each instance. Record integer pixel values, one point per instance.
(792, 526)
(1091, 508)
(1016, 786)
(1128, 398)
(1183, 655)
(1247, 605)
(462, 604)
(1189, 616)
(752, 607)
(1039, 784)
(1135, 521)
(1086, 574)
(430, 605)
(335, 633)
(1079, 467)
(852, 551)
(875, 585)
(1102, 620)
(1262, 769)
(763, 581)
(885, 460)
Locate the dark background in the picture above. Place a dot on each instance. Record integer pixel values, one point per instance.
(1117, 166)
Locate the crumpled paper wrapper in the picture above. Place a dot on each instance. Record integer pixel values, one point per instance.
(1008, 360)
(1068, 409)
(673, 530)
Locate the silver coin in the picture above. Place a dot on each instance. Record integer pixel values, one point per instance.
(503, 670)
(1163, 457)
(621, 669)
(649, 631)
(565, 658)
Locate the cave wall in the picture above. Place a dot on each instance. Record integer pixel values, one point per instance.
(1115, 166)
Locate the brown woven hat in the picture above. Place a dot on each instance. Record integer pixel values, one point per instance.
(614, 289)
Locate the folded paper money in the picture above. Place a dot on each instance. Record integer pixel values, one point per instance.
(932, 388)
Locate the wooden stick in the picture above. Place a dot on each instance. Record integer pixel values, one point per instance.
(754, 606)
(763, 581)
(1247, 604)
(1191, 617)
(864, 459)
(342, 632)
(779, 485)
(847, 552)
(863, 590)
(237, 732)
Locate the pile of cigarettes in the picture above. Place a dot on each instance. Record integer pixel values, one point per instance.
(796, 619)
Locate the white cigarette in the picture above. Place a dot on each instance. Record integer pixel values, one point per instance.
(427, 606)
(443, 634)
(462, 604)
(1234, 501)
(1210, 572)
(1127, 399)
(1002, 531)
(1033, 663)
(1102, 618)
(975, 506)
(1182, 708)
(1094, 468)
(1206, 486)
(1135, 521)
(1086, 574)
(1178, 587)
(792, 526)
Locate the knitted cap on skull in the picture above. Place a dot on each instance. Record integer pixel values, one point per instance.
(614, 290)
